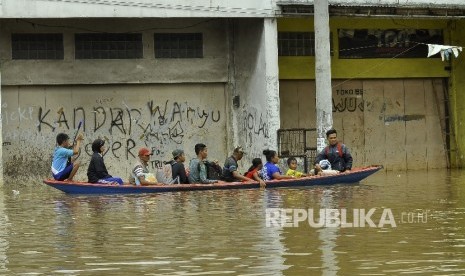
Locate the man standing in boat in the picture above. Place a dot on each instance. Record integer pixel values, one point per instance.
(336, 154)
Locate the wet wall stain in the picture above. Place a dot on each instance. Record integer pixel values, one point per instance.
(404, 118)
(22, 168)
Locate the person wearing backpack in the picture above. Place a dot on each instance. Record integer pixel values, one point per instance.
(336, 156)
(198, 168)
(177, 166)
(140, 173)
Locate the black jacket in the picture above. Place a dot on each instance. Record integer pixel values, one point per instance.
(178, 169)
(339, 161)
(97, 169)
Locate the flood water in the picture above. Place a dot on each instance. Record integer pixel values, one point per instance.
(46, 232)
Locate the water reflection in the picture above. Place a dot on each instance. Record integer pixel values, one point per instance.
(3, 235)
(328, 236)
(224, 232)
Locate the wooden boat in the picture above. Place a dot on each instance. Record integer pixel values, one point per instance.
(353, 176)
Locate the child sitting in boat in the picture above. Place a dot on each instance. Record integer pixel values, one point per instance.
(270, 170)
(61, 169)
(97, 171)
(253, 172)
(292, 171)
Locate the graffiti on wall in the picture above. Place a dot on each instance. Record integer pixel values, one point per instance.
(125, 128)
(349, 100)
(254, 125)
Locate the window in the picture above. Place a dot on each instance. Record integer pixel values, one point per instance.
(296, 44)
(387, 43)
(37, 46)
(177, 45)
(108, 46)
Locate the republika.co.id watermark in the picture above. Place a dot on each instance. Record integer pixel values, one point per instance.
(344, 218)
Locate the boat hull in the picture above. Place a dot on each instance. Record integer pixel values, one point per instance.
(354, 176)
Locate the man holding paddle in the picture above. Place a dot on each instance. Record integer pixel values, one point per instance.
(61, 169)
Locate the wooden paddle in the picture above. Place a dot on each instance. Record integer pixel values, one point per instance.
(74, 139)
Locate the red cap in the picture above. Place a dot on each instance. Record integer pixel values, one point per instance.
(144, 151)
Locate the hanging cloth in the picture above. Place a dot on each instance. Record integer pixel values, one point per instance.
(445, 50)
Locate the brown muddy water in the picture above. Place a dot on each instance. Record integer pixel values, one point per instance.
(416, 226)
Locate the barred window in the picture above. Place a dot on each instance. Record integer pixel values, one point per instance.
(178, 45)
(108, 46)
(296, 44)
(37, 46)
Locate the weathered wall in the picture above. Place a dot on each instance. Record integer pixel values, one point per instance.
(161, 117)
(304, 67)
(140, 8)
(394, 123)
(256, 83)
(1, 136)
(211, 68)
(407, 3)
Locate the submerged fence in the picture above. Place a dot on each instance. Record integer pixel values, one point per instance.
(298, 143)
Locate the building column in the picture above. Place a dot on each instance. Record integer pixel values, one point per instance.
(254, 87)
(324, 106)
(1, 133)
(272, 80)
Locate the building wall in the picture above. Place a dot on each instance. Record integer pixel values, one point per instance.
(135, 9)
(256, 119)
(303, 67)
(162, 117)
(213, 67)
(376, 3)
(160, 103)
(394, 123)
(389, 111)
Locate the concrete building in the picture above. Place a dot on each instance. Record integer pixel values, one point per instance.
(164, 75)
(173, 73)
(391, 103)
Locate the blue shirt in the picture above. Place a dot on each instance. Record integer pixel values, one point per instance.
(268, 170)
(60, 159)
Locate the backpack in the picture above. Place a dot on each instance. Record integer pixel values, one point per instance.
(214, 171)
(165, 175)
(339, 150)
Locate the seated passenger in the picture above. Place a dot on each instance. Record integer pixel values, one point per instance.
(254, 171)
(197, 167)
(97, 171)
(177, 167)
(230, 172)
(61, 168)
(292, 163)
(270, 170)
(140, 174)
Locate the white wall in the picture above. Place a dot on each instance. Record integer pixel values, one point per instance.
(240, 58)
(256, 83)
(427, 3)
(213, 67)
(161, 117)
(139, 8)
